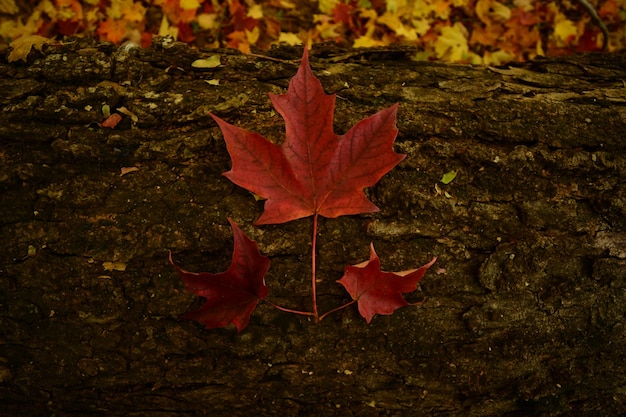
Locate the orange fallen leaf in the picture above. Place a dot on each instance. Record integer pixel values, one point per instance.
(112, 30)
(128, 170)
(112, 121)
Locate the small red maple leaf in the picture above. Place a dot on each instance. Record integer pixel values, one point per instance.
(231, 296)
(315, 171)
(380, 292)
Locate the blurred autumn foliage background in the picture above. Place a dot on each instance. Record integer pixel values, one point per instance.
(471, 31)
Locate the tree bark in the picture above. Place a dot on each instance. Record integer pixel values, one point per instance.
(524, 310)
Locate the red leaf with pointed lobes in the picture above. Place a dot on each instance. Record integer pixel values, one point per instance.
(379, 292)
(231, 296)
(315, 171)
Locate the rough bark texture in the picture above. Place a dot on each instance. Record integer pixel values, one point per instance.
(524, 311)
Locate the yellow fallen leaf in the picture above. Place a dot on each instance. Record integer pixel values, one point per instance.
(498, 57)
(394, 23)
(366, 42)
(500, 13)
(255, 11)
(525, 5)
(24, 44)
(422, 9)
(491, 12)
(211, 62)
(208, 21)
(253, 35)
(289, 38)
(166, 29)
(565, 30)
(189, 4)
(421, 26)
(8, 7)
(327, 6)
(539, 49)
(451, 45)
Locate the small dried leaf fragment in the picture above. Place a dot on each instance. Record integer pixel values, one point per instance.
(127, 170)
(128, 113)
(24, 44)
(114, 266)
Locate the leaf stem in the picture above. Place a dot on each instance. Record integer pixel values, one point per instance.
(313, 263)
(288, 310)
(315, 313)
(336, 309)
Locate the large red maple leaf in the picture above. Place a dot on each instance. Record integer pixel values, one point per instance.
(380, 292)
(231, 296)
(315, 171)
